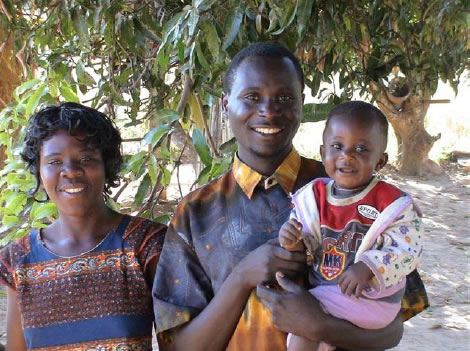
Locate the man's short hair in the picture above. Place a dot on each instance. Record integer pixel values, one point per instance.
(263, 49)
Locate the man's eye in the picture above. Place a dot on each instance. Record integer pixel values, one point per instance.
(285, 98)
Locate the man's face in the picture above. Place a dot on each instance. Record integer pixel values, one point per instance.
(264, 107)
(352, 150)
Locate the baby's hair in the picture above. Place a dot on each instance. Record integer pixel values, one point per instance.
(75, 119)
(263, 49)
(363, 111)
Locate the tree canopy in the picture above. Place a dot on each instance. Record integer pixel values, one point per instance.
(159, 65)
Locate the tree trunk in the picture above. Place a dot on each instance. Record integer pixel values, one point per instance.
(414, 142)
(10, 78)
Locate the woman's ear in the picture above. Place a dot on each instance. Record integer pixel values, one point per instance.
(225, 104)
(382, 162)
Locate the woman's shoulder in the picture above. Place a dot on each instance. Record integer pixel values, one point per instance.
(139, 231)
(18, 248)
(12, 255)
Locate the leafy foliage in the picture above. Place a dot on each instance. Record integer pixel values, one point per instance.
(158, 65)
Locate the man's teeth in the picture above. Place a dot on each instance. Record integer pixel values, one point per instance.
(268, 130)
(74, 190)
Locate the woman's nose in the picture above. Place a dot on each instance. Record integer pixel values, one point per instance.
(72, 169)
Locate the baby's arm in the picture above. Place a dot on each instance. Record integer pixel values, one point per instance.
(355, 279)
(290, 236)
(399, 251)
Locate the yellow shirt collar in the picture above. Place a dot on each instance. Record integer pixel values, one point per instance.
(285, 174)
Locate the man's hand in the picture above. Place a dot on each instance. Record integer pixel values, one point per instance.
(355, 279)
(260, 265)
(294, 310)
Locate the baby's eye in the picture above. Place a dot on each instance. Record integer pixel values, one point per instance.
(336, 146)
(85, 159)
(53, 162)
(361, 149)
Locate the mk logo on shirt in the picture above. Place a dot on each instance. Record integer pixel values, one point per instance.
(334, 253)
(332, 264)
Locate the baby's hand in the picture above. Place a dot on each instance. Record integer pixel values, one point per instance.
(355, 279)
(290, 237)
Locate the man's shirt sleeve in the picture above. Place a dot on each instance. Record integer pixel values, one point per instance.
(181, 287)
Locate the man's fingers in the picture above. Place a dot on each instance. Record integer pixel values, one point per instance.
(266, 294)
(286, 255)
(287, 284)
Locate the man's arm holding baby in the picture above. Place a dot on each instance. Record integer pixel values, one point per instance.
(296, 311)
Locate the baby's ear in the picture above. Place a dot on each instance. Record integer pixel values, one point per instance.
(382, 161)
(322, 152)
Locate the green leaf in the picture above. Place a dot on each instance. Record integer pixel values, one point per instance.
(163, 219)
(135, 162)
(200, 56)
(203, 5)
(316, 112)
(235, 21)
(25, 86)
(164, 116)
(33, 101)
(303, 15)
(155, 135)
(192, 22)
(16, 203)
(68, 93)
(145, 31)
(9, 221)
(81, 27)
(212, 38)
(153, 169)
(166, 179)
(43, 210)
(229, 147)
(202, 149)
(142, 191)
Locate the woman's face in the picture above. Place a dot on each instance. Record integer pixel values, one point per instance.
(72, 173)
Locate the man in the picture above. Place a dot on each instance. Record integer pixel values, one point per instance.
(221, 242)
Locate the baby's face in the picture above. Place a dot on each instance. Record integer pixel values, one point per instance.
(352, 151)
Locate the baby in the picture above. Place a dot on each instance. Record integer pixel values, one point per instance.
(363, 234)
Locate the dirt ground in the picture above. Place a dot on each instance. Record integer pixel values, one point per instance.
(444, 200)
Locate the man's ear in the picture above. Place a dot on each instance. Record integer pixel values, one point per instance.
(382, 162)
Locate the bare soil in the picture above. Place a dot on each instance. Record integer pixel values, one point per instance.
(444, 200)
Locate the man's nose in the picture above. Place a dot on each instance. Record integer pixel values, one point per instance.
(269, 108)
